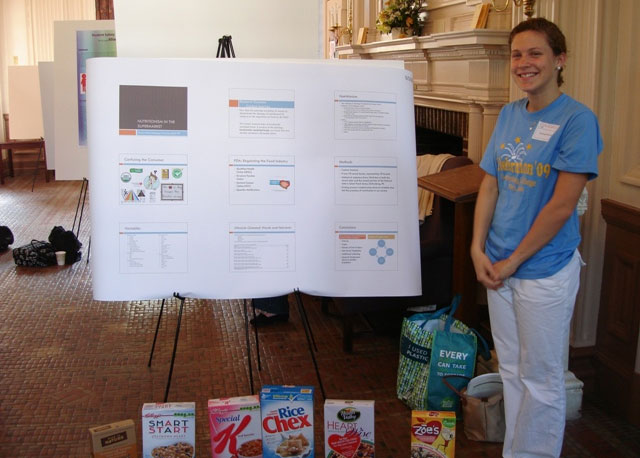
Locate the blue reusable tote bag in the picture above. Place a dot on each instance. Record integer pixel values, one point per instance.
(432, 346)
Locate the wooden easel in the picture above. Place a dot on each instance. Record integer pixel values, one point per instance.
(225, 47)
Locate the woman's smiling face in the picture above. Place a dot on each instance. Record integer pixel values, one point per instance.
(533, 64)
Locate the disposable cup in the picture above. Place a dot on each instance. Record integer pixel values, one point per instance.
(60, 257)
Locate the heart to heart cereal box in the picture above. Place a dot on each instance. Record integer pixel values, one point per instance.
(433, 434)
(349, 429)
(169, 430)
(287, 421)
(235, 427)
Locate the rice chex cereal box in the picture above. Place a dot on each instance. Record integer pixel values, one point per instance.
(169, 430)
(349, 429)
(287, 421)
(235, 428)
(433, 434)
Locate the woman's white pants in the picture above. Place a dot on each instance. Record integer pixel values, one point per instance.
(530, 325)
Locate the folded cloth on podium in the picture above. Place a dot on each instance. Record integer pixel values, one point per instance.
(428, 164)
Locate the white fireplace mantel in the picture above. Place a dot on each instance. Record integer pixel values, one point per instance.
(465, 71)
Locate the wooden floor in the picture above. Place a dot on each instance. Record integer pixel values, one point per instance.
(68, 362)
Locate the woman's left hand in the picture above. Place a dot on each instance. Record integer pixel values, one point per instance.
(505, 268)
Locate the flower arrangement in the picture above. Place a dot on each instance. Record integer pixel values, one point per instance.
(407, 15)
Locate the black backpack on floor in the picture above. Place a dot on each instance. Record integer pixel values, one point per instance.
(6, 237)
(35, 254)
(63, 240)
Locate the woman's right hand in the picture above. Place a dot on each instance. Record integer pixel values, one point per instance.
(485, 206)
(485, 271)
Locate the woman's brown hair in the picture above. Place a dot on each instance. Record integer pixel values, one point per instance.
(553, 34)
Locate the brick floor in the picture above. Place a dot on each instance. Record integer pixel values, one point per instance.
(68, 362)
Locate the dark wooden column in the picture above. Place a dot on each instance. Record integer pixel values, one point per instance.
(104, 9)
(617, 382)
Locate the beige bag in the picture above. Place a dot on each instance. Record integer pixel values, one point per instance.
(483, 418)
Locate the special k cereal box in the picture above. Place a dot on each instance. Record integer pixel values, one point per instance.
(287, 421)
(433, 434)
(169, 430)
(349, 429)
(235, 428)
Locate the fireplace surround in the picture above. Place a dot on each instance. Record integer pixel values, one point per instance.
(461, 80)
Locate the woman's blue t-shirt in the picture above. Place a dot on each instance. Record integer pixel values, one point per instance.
(525, 154)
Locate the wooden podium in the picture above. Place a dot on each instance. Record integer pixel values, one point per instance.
(36, 144)
(460, 185)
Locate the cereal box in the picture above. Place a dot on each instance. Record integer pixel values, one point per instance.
(169, 430)
(235, 428)
(433, 434)
(287, 421)
(115, 440)
(349, 429)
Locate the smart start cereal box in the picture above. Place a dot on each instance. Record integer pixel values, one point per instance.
(169, 430)
(287, 421)
(349, 429)
(433, 434)
(235, 427)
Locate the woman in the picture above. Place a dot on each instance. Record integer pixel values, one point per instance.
(542, 152)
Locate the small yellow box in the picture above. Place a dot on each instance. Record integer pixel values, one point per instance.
(433, 434)
(115, 440)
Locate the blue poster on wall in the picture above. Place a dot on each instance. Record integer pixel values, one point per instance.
(90, 43)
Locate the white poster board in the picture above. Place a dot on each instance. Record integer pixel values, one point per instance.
(71, 156)
(25, 112)
(259, 28)
(46, 74)
(228, 178)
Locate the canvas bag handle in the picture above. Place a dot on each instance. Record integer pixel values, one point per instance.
(462, 396)
(454, 306)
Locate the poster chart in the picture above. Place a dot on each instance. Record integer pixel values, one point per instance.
(90, 43)
(64, 140)
(232, 178)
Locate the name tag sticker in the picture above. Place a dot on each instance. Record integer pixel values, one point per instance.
(544, 131)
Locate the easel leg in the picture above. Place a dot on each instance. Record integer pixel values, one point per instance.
(255, 332)
(35, 174)
(83, 197)
(310, 340)
(248, 340)
(155, 337)
(305, 318)
(175, 345)
(82, 192)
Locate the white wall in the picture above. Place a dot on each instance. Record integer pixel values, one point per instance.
(15, 31)
(13, 43)
(166, 28)
(26, 32)
(24, 102)
(46, 73)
